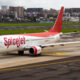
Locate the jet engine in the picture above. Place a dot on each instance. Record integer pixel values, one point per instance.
(35, 50)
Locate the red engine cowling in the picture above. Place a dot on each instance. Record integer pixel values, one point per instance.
(35, 50)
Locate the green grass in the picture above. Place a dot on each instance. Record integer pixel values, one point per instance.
(36, 24)
(26, 24)
(70, 30)
(20, 31)
(71, 23)
(33, 31)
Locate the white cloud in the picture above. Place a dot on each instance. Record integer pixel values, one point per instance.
(42, 3)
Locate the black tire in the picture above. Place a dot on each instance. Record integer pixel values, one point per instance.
(21, 53)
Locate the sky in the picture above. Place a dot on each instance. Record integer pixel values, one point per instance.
(46, 4)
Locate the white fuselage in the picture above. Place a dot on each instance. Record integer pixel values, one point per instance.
(19, 42)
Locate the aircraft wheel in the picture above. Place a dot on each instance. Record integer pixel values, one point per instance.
(20, 53)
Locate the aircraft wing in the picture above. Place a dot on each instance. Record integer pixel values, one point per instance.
(62, 44)
(51, 45)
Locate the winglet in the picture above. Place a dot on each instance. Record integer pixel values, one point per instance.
(58, 24)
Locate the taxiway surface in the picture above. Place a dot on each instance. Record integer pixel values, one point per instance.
(63, 69)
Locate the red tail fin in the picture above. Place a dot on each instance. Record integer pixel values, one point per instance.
(58, 24)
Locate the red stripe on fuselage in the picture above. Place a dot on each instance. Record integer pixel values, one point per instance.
(45, 34)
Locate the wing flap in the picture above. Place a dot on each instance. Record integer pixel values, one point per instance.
(62, 44)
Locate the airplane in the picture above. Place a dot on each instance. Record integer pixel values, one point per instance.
(33, 42)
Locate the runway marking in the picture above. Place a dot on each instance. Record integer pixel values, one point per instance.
(40, 65)
(55, 53)
(61, 53)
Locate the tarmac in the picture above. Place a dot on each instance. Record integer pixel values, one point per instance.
(55, 63)
(37, 27)
(63, 69)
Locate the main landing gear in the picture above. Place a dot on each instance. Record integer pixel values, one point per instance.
(21, 53)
